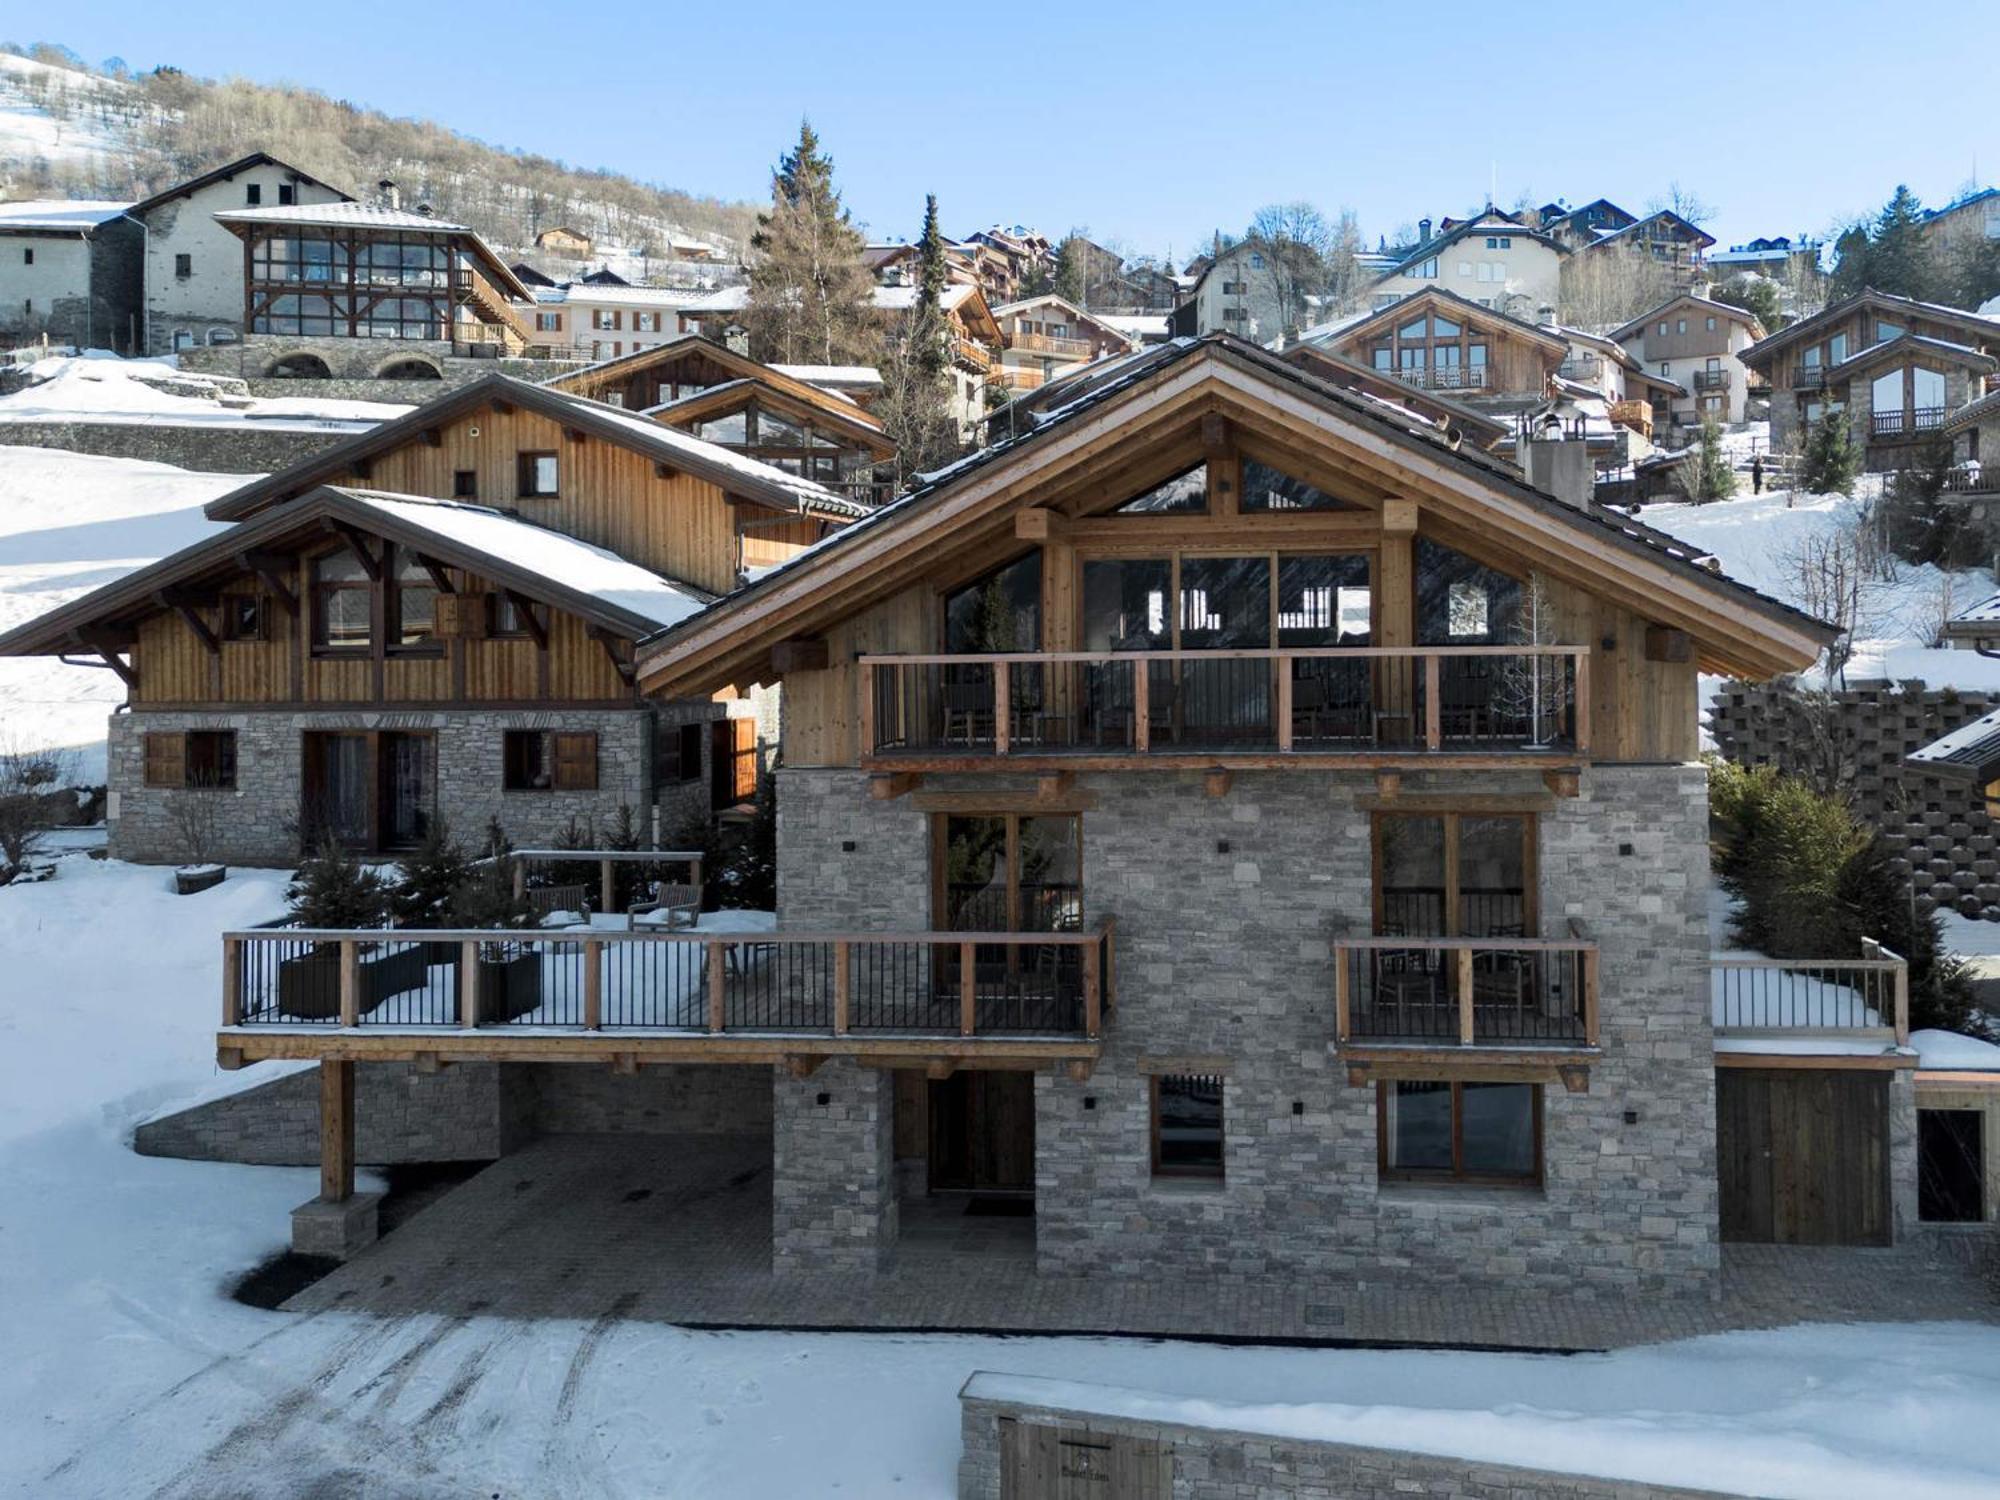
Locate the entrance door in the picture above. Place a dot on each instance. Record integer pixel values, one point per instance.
(983, 1132)
(1803, 1156)
(407, 772)
(338, 799)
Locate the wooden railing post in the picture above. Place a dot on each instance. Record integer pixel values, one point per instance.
(1590, 996)
(1343, 999)
(843, 982)
(593, 984)
(1582, 660)
(1433, 709)
(1142, 708)
(336, 1129)
(1110, 965)
(232, 981)
(1093, 993)
(1284, 703)
(867, 719)
(1465, 1017)
(468, 984)
(520, 877)
(718, 954)
(968, 990)
(604, 886)
(1003, 707)
(350, 983)
(1902, 1004)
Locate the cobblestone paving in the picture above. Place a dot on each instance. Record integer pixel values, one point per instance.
(678, 1230)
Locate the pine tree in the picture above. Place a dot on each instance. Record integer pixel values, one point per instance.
(1891, 254)
(1831, 459)
(1708, 476)
(915, 408)
(334, 889)
(1071, 278)
(431, 877)
(1920, 524)
(811, 297)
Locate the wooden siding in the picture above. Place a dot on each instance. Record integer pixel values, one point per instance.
(1802, 1156)
(768, 544)
(821, 722)
(1859, 326)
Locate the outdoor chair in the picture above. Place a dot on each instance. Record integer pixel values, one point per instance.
(968, 711)
(1465, 702)
(680, 901)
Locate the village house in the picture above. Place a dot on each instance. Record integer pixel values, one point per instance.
(571, 244)
(1662, 236)
(603, 316)
(1453, 418)
(1698, 345)
(72, 271)
(1046, 337)
(437, 619)
(1012, 259)
(1779, 257)
(1491, 259)
(1898, 368)
(1962, 224)
(195, 267)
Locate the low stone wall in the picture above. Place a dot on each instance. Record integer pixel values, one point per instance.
(1190, 1462)
(1936, 832)
(226, 448)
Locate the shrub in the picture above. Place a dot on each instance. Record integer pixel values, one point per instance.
(430, 879)
(334, 889)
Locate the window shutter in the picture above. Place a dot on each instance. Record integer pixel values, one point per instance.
(576, 762)
(166, 759)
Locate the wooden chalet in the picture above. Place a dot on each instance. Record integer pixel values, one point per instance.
(1046, 336)
(1324, 363)
(1436, 340)
(697, 385)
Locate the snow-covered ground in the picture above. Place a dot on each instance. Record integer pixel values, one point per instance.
(31, 130)
(126, 1369)
(97, 386)
(70, 523)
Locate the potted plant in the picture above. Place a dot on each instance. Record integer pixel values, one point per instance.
(334, 890)
(428, 881)
(508, 981)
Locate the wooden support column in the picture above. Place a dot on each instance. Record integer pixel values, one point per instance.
(604, 885)
(593, 984)
(1003, 707)
(336, 1130)
(1433, 706)
(232, 981)
(843, 984)
(350, 984)
(1590, 997)
(1142, 733)
(866, 672)
(1465, 1017)
(468, 985)
(1343, 1002)
(1583, 702)
(1093, 991)
(1396, 614)
(968, 990)
(718, 954)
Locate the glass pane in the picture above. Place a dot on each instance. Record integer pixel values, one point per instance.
(730, 429)
(777, 431)
(1444, 328)
(1476, 354)
(1885, 392)
(1885, 330)
(1419, 1127)
(1264, 488)
(416, 613)
(1461, 602)
(1190, 1124)
(344, 617)
(1411, 330)
(1412, 877)
(1323, 601)
(339, 567)
(1498, 1129)
(1225, 603)
(1125, 604)
(975, 875)
(1929, 385)
(1183, 494)
(1000, 612)
(1051, 874)
(1492, 878)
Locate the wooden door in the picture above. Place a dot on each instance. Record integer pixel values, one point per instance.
(1802, 1156)
(982, 1132)
(1052, 1463)
(733, 762)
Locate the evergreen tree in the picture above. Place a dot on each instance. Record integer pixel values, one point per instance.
(431, 877)
(1706, 475)
(1892, 254)
(1756, 295)
(811, 297)
(334, 889)
(915, 408)
(1831, 460)
(1072, 274)
(1920, 524)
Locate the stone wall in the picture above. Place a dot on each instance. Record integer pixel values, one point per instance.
(1217, 1463)
(258, 820)
(1226, 910)
(1936, 832)
(698, 1099)
(225, 448)
(833, 1188)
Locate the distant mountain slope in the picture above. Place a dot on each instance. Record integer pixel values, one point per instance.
(69, 131)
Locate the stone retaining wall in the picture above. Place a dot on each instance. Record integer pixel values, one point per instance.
(225, 448)
(1217, 1463)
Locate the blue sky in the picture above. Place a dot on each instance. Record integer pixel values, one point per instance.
(1153, 122)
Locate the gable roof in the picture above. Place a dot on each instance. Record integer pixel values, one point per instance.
(1666, 216)
(735, 474)
(1334, 367)
(1708, 307)
(224, 173)
(1050, 299)
(1473, 313)
(1984, 328)
(1970, 753)
(841, 418)
(686, 345)
(1974, 412)
(1915, 343)
(352, 215)
(1492, 222)
(549, 567)
(1737, 628)
(46, 216)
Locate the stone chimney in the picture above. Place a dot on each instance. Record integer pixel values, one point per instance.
(1423, 230)
(1558, 467)
(391, 196)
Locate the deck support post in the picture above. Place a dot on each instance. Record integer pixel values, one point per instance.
(340, 1221)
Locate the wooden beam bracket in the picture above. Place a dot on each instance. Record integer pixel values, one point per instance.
(887, 787)
(1566, 782)
(1216, 782)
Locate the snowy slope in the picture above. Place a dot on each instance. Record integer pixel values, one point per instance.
(99, 387)
(70, 523)
(50, 115)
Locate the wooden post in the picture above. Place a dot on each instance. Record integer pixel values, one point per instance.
(593, 984)
(867, 676)
(843, 979)
(1142, 708)
(1433, 715)
(717, 986)
(1343, 1000)
(968, 990)
(1590, 997)
(1464, 992)
(350, 983)
(232, 981)
(1284, 703)
(336, 1130)
(1902, 1005)
(1003, 707)
(1583, 701)
(1093, 991)
(468, 984)
(604, 885)
(1110, 965)
(520, 877)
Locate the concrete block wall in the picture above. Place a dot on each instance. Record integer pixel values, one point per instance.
(833, 1184)
(1937, 833)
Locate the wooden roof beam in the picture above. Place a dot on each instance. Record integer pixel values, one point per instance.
(271, 568)
(527, 610)
(371, 562)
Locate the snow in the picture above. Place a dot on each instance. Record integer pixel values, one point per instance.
(1951, 1051)
(1970, 937)
(94, 387)
(366, 215)
(59, 214)
(851, 375)
(31, 132)
(70, 523)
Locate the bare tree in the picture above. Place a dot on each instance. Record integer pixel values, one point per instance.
(1685, 202)
(1610, 285)
(31, 777)
(196, 814)
(1295, 241)
(1828, 573)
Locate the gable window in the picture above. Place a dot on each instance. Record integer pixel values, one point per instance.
(1461, 602)
(1265, 488)
(413, 595)
(195, 758)
(342, 603)
(253, 194)
(464, 484)
(183, 266)
(1185, 494)
(537, 476)
(1001, 611)
(1680, 325)
(1711, 325)
(1187, 1126)
(287, 195)
(1459, 1132)
(1885, 330)
(544, 760)
(1663, 330)
(245, 618)
(504, 618)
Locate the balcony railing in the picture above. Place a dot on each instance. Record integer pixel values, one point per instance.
(1782, 998)
(1354, 701)
(1446, 378)
(1465, 992)
(1711, 380)
(1809, 378)
(1583, 368)
(1895, 422)
(485, 984)
(1043, 343)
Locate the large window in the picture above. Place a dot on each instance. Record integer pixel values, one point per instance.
(1185, 494)
(1187, 1126)
(999, 612)
(1265, 488)
(1459, 1132)
(1125, 604)
(1008, 872)
(342, 604)
(1455, 875)
(1461, 602)
(412, 605)
(542, 760)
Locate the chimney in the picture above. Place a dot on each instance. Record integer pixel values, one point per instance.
(391, 196)
(425, 210)
(1558, 467)
(1423, 230)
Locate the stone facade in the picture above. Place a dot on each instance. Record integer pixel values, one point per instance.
(1226, 911)
(1937, 833)
(225, 448)
(73, 289)
(259, 824)
(406, 370)
(1217, 1463)
(833, 1185)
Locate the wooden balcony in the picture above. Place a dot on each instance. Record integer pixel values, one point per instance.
(1711, 380)
(1772, 1002)
(1809, 378)
(1446, 378)
(892, 999)
(1502, 1008)
(1042, 343)
(487, 304)
(1896, 422)
(1478, 706)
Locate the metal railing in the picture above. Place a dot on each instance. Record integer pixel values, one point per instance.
(1809, 378)
(1862, 998)
(916, 984)
(1711, 380)
(555, 880)
(1336, 700)
(1445, 378)
(1465, 992)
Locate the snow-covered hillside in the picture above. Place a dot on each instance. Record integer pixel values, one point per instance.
(57, 118)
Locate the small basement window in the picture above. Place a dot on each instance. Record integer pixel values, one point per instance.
(539, 476)
(1187, 1126)
(680, 754)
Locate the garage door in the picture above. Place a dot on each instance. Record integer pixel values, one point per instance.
(1803, 1156)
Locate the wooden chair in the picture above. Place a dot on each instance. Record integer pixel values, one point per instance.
(968, 708)
(679, 900)
(1465, 701)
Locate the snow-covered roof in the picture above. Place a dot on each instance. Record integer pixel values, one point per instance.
(1970, 752)
(357, 215)
(1135, 325)
(1954, 1052)
(1985, 612)
(640, 296)
(57, 215)
(833, 375)
(903, 298)
(726, 299)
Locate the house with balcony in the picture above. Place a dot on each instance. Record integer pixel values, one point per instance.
(1492, 260)
(1435, 340)
(1047, 337)
(1897, 367)
(1600, 225)
(1696, 345)
(603, 316)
